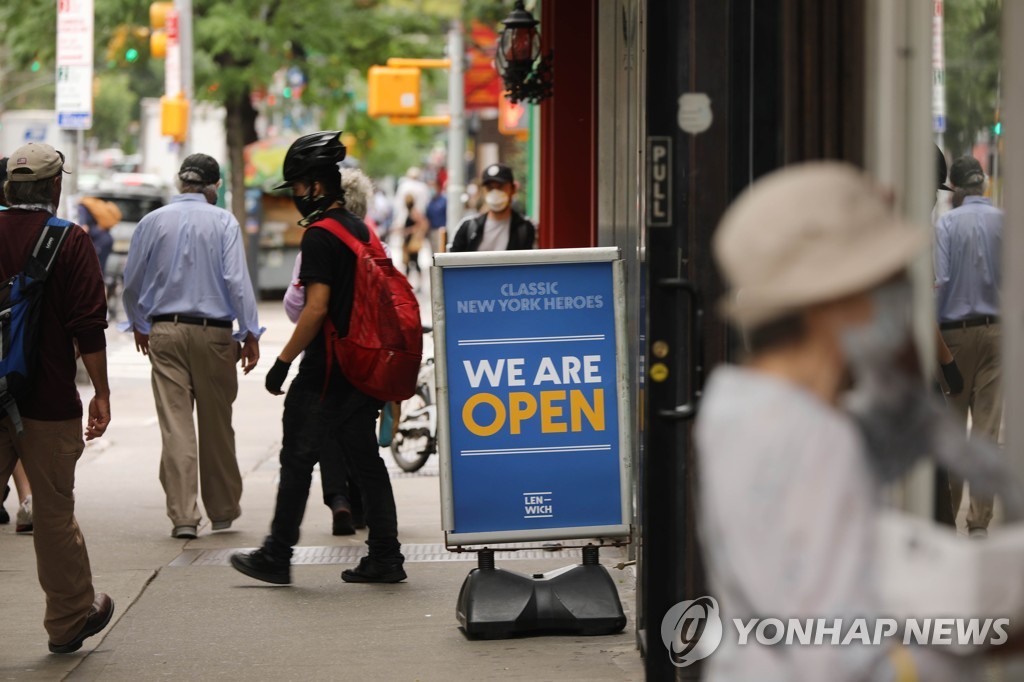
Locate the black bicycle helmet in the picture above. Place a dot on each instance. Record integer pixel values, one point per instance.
(316, 150)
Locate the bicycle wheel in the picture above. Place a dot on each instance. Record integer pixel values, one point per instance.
(413, 443)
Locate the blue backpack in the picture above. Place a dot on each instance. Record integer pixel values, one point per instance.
(20, 306)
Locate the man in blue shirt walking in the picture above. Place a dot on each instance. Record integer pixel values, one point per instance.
(968, 249)
(185, 282)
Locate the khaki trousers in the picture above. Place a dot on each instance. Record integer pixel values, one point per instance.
(977, 351)
(49, 452)
(194, 367)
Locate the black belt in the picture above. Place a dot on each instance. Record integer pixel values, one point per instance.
(970, 322)
(188, 319)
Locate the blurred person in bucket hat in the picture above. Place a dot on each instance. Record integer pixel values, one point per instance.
(795, 443)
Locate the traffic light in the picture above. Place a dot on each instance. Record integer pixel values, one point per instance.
(131, 55)
(158, 44)
(393, 91)
(997, 129)
(158, 12)
(116, 46)
(174, 117)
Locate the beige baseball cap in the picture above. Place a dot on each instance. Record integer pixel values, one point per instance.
(34, 161)
(806, 234)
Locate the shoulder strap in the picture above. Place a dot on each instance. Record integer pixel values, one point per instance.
(476, 224)
(349, 239)
(44, 254)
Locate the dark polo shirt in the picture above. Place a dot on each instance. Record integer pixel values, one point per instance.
(74, 308)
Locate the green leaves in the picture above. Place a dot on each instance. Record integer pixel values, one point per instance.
(973, 61)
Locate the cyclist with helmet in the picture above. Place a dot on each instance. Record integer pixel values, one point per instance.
(324, 415)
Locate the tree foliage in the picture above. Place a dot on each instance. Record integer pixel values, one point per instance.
(241, 44)
(973, 60)
(115, 107)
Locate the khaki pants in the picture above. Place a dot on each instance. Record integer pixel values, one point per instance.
(49, 452)
(194, 366)
(977, 351)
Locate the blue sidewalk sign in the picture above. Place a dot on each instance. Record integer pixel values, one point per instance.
(532, 395)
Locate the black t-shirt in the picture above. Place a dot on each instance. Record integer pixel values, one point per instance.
(326, 260)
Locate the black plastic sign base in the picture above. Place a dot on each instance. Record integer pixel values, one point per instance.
(575, 600)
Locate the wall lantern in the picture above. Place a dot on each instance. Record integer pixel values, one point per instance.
(527, 75)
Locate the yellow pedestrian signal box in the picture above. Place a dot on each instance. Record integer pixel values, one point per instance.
(158, 44)
(174, 117)
(158, 14)
(393, 91)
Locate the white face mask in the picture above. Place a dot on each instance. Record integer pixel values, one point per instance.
(496, 200)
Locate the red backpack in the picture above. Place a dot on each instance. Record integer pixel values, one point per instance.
(381, 354)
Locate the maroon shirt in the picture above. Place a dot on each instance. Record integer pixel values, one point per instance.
(74, 307)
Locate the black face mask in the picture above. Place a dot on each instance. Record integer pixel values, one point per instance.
(311, 207)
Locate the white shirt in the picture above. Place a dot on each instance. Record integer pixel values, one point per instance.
(496, 234)
(788, 514)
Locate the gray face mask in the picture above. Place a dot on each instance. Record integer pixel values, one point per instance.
(887, 333)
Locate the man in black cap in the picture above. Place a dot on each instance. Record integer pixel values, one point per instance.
(500, 228)
(968, 253)
(185, 282)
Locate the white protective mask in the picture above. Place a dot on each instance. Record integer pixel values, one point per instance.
(496, 200)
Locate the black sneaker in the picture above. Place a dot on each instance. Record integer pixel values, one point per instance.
(341, 523)
(255, 564)
(372, 571)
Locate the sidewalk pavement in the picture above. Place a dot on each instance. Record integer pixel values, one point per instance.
(183, 613)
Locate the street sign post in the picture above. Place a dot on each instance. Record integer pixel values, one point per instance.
(74, 64)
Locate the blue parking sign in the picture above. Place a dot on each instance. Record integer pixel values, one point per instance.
(532, 396)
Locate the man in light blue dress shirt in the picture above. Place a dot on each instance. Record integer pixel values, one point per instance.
(185, 282)
(968, 249)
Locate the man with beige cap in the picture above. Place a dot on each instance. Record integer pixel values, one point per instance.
(790, 478)
(49, 440)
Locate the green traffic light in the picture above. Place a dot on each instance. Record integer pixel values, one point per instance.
(997, 129)
(36, 66)
(131, 55)
(287, 93)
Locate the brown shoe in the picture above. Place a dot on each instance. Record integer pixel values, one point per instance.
(99, 615)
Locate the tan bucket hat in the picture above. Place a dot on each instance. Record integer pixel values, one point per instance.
(34, 161)
(806, 234)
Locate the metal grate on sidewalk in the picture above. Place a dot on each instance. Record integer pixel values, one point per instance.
(351, 554)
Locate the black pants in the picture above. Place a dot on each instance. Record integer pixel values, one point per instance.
(339, 425)
(339, 482)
